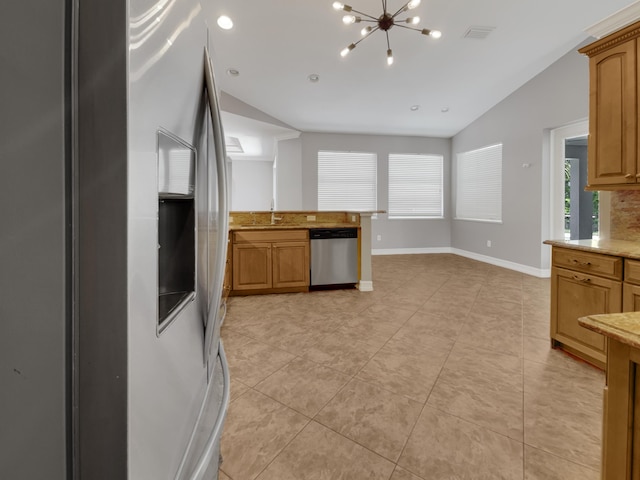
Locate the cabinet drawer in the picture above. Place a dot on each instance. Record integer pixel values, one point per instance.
(596, 263)
(270, 236)
(632, 271)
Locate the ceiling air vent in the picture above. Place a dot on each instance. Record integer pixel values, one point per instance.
(233, 145)
(479, 33)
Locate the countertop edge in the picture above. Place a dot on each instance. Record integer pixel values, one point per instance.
(619, 248)
(245, 228)
(612, 325)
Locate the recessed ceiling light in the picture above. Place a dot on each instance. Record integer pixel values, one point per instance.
(232, 72)
(225, 22)
(413, 108)
(314, 78)
(444, 109)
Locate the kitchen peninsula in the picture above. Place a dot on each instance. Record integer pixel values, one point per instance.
(621, 415)
(270, 251)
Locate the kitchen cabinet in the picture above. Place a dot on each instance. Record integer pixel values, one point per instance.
(270, 261)
(583, 283)
(631, 286)
(613, 159)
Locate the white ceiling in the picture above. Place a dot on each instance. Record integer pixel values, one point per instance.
(276, 44)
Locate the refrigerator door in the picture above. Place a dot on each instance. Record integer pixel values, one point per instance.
(201, 456)
(169, 372)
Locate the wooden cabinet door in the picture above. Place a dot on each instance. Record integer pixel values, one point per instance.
(612, 116)
(290, 264)
(630, 298)
(251, 266)
(575, 295)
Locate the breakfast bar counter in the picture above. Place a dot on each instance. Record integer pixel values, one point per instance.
(621, 399)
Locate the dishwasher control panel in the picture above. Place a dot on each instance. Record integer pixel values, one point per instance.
(320, 233)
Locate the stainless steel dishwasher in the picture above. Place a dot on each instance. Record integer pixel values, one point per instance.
(334, 256)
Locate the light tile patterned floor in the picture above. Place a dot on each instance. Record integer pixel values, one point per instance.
(443, 372)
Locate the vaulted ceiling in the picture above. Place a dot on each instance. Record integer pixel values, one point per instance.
(276, 44)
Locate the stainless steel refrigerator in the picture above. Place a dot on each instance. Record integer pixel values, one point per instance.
(113, 241)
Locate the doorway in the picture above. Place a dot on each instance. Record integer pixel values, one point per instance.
(575, 213)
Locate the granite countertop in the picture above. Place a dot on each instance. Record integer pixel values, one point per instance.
(298, 226)
(620, 248)
(623, 327)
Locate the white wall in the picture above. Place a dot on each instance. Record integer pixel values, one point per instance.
(396, 234)
(289, 175)
(521, 122)
(251, 185)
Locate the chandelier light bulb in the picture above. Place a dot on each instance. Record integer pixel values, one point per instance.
(389, 57)
(346, 51)
(341, 6)
(413, 4)
(413, 20)
(436, 33)
(349, 19)
(365, 31)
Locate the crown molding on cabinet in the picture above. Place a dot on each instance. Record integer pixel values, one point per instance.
(616, 21)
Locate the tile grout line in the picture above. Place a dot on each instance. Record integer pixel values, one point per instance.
(429, 394)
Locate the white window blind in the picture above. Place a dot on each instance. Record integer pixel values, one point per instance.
(347, 181)
(479, 184)
(415, 186)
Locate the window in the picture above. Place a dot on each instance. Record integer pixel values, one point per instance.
(347, 181)
(415, 186)
(479, 184)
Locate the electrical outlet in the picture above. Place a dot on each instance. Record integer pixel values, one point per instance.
(488, 243)
(311, 218)
(379, 237)
(353, 218)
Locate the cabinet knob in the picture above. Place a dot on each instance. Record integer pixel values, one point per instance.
(628, 175)
(637, 175)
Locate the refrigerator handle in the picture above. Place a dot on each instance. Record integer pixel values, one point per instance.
(216, 433)
(223, 210)
(210, 449)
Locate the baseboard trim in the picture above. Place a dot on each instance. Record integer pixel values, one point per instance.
(535, 272)
(365, 286)
(409, 251)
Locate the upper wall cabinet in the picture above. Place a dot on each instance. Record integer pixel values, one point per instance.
(614, 160)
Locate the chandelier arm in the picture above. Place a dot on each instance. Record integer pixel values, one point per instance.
(364, 14)
(408, 28)
(368, 34)
(388, 46)
(402, 9)
(384, 7)
(365, 37)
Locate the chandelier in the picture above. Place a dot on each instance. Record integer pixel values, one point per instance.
(384, 22)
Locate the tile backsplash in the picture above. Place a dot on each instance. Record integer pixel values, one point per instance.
(625, 215)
